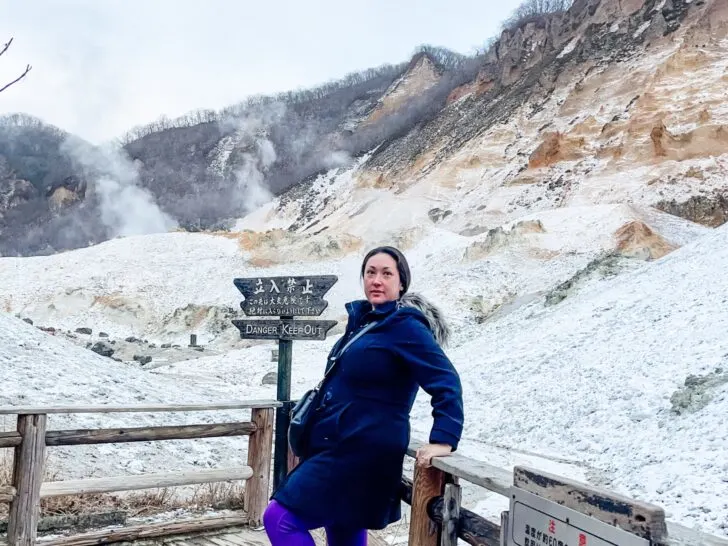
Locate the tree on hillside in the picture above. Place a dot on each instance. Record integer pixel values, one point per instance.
(534, 10)
(16, 80)
(443, 57)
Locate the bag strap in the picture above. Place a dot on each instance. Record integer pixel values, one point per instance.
(356, 336)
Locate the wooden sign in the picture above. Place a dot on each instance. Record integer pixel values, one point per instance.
(285, 296)
(284, 329)
(534, 520)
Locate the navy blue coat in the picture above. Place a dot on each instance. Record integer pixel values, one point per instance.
(350, 476)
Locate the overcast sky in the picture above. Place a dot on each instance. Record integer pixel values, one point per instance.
(102, 66)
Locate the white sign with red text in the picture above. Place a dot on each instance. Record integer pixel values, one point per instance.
(535, 521)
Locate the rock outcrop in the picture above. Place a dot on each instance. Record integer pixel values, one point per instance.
(636, 239)
(708, 210)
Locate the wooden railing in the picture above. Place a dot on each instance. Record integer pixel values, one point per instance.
(31, 439)
(437, 517)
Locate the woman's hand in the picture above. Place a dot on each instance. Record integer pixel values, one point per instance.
(425, 453)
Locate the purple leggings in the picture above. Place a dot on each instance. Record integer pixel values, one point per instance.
(284, 528)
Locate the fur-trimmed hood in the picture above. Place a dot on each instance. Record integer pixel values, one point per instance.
(433, 314)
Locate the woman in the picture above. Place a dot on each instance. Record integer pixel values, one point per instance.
(349, 478)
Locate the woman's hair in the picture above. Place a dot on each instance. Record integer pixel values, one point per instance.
(405, 277)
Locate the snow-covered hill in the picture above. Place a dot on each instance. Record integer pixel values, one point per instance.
(38, 369)
(597, 380)
(604, 362)
(163, 287)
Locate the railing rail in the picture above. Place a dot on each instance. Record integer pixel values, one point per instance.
(31, 439)
(139, 408)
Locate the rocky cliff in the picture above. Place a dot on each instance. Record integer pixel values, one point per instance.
(613, 102)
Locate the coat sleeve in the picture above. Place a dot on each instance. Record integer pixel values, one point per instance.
(437, 376)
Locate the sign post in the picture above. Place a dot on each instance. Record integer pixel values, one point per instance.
(283, 414)
(286, 298)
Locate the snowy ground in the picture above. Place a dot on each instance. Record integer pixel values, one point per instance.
(604, 362)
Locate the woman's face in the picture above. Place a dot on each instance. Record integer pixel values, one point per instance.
(381, 279)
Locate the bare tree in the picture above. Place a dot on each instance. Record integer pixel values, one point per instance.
(532, 10)
(443, 57)
(16, 80)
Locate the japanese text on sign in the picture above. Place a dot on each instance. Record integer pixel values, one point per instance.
(285, 296)
(290, 287)
(536, 537)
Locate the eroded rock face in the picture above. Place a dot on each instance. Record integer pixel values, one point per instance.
(556, 147)
(421, 76)
(498, 238)
(62, 197)
(708, 210)
(705, 141)
(604, 266)
(70, 190)
(697, 392)
(529, 63)
(14, 192)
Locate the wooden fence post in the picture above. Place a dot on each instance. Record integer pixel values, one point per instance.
(504, 528)
(260, 455)
(451, 515)
(27, 478)
(427, 484)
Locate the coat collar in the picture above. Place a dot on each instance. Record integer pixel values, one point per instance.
(360, 312)
(361, 309)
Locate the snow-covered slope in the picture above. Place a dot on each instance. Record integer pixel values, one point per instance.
(592, 378)
(590, 381)
(166, 286)
(604, 362)
(122, 286)
(38, 369)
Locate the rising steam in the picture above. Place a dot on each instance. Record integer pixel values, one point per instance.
(250, 132)
(126, 208)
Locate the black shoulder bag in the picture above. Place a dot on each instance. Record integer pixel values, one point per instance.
(304, 408)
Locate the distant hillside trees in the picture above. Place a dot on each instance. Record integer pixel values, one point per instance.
(535, 10)
(442, 57)
(326, 100)
(16, 80)
(33, 150)
(308, 130)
